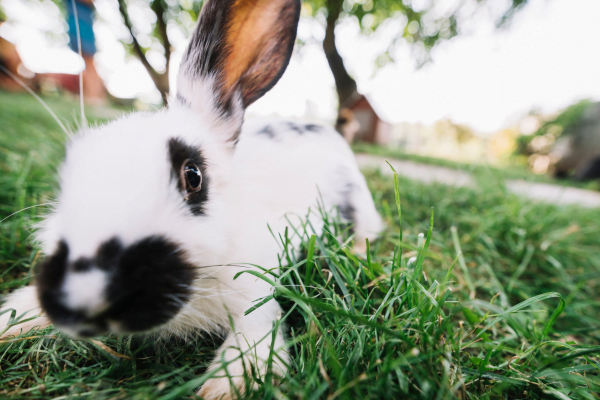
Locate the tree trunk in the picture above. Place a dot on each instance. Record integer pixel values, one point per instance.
(344, 84)
(161, 81)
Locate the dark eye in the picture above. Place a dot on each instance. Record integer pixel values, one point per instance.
(191, 178)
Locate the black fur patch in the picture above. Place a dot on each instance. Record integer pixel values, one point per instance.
(149, 283)
(267, 130)
(179, 152)
(182, 100)
(346, 207)
(295, 127)
(313, 128)
(50, 275)
(301, 129)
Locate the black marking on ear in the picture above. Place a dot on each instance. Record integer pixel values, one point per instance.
(209, 48)
(179, 152)
(268, 131)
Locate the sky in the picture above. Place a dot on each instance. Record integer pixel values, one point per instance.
(548, 58)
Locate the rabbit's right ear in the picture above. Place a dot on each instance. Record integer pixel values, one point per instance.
(238, 52)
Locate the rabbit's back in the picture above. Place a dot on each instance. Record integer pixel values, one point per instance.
(287, 166)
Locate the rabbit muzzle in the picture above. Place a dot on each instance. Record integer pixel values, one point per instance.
(121, 289)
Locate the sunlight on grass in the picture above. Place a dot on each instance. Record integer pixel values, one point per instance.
(470, 293)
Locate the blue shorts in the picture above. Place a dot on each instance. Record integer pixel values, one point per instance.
(85, 14)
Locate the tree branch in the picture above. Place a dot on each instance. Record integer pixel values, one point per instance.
(161, 81)
(161, 24)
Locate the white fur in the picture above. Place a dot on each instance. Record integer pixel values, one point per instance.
(116, 182)
(85, 291)
(24, 301)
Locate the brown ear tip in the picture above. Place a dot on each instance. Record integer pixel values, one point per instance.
(246, 45)
(272, 61)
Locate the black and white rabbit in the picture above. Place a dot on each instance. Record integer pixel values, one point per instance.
(155, 207)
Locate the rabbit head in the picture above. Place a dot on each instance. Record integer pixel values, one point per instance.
(148, 199)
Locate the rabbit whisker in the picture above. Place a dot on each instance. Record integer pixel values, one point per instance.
(26, 208)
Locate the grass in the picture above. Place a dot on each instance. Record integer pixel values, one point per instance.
(516, 316)
(31, 147)
(508, 172)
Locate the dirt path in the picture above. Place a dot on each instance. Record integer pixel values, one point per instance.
(430, 173)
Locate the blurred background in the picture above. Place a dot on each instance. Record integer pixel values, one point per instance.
(509, 84)
(488, 109)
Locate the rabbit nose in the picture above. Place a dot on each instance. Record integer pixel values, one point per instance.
(121, 289)
(82, 328)
(87, 332)
(74, 322)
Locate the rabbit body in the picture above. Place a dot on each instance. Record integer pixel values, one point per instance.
(116, 182)
(158, 212)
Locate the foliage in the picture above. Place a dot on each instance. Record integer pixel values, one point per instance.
(422, 24)
(423, 27)
(149, 37)
(407, 319)
(565, 123)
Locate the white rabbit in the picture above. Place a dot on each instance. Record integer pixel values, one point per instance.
(155, 208)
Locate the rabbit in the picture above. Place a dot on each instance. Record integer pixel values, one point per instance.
(157, 211)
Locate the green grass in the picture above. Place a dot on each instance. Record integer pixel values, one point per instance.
(507, 172)
(568, 121)
(409, 320)
(31, 147)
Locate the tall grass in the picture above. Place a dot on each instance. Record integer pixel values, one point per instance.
(468, 294)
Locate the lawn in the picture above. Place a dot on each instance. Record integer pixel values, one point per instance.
(511, 171)
(516, 316)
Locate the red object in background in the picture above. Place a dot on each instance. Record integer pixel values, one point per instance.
(94, 91)
(67, 82)
(358, 121)
(10, 59)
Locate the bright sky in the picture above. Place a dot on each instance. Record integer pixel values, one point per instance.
(549, 58)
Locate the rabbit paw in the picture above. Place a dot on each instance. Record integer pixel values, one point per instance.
(225, 387)
(22, 300)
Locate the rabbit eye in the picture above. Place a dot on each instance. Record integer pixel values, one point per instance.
(191, 178)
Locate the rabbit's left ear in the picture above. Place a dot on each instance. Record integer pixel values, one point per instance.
(238, 52)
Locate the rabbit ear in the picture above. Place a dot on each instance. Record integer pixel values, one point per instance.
(239, 50)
